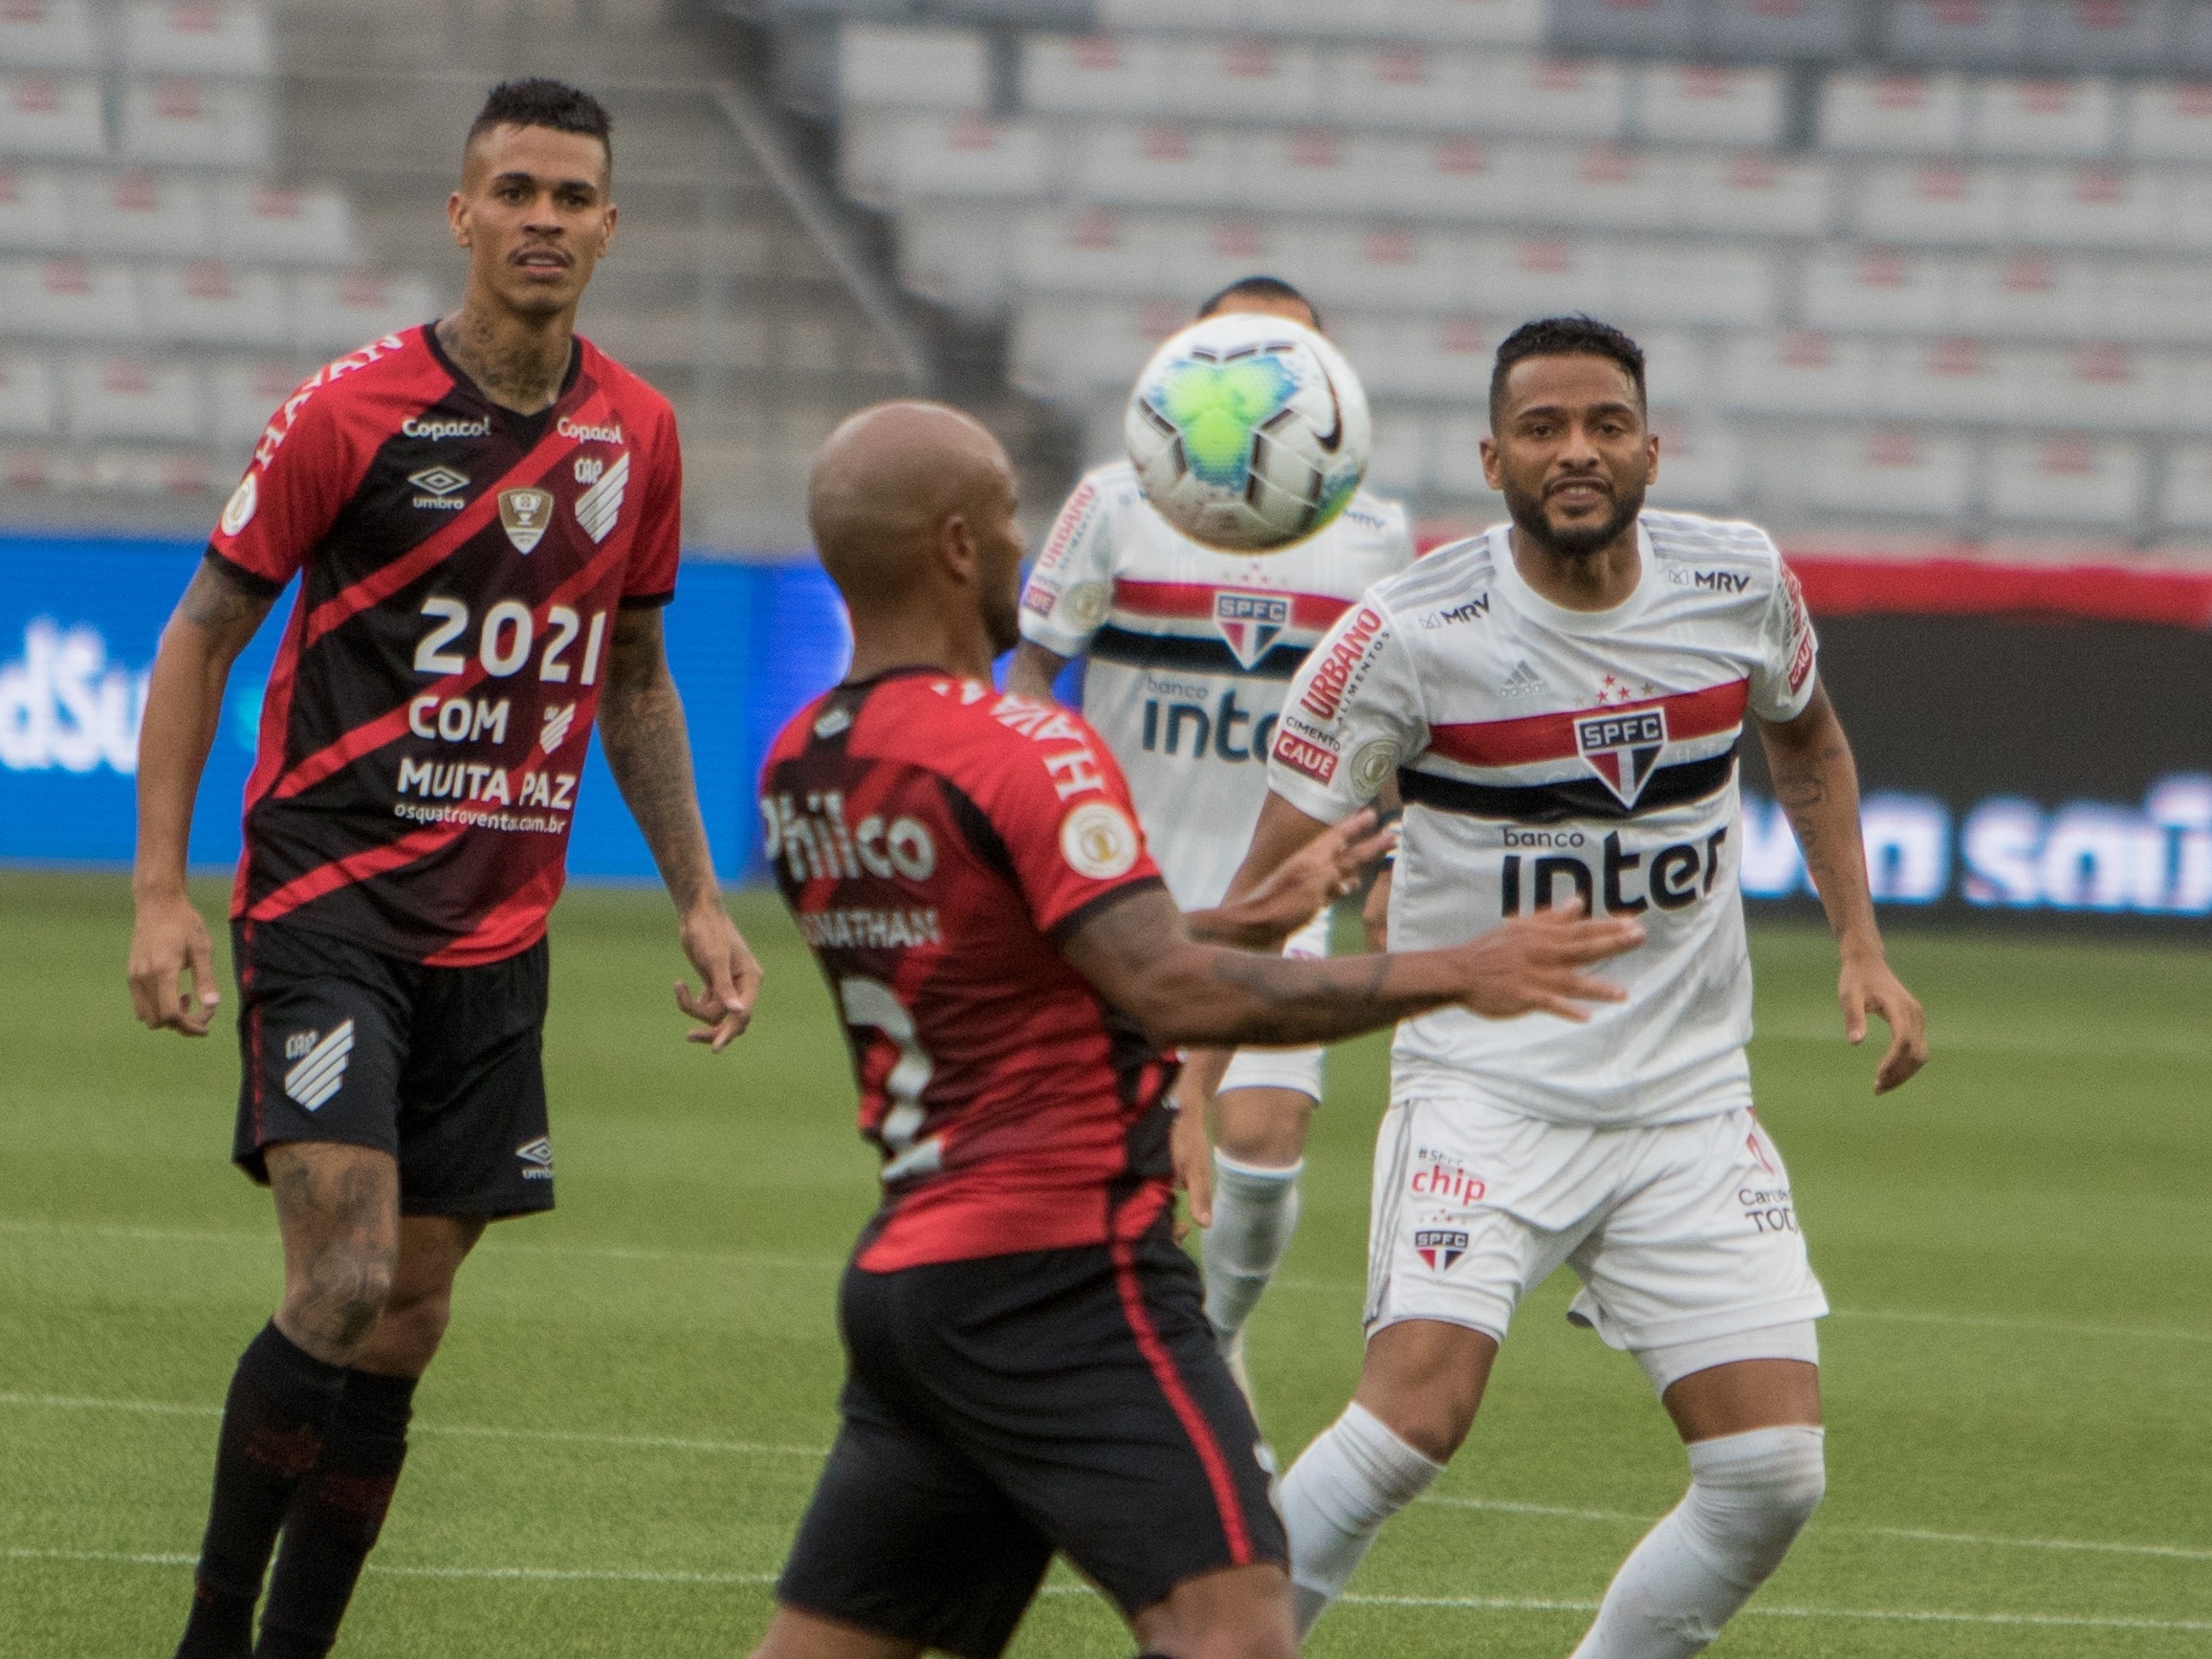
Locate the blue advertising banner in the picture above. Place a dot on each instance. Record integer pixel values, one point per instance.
(80, 617)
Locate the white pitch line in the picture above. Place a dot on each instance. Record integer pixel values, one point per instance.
(1997, 1322)
(2173, 1552)
(1501, 1506)
(1461, 1603)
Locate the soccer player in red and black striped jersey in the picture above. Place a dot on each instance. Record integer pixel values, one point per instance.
(484, 517)
(1030, 1364)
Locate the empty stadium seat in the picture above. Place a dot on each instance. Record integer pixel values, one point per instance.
(1440, 359)
(967, 155)
(1541, 96)
(178, 121)
(1405, 84)
(273, 224)
(2170, 122)
(1608, 186)
(1318, 169)
(1398, 463)
(44, 116)
(1957, 378)
(1243, 78)
(1803, 372)
(68, 299)
(142, 213)
(1752, 194)
(33, 211)
(197, 37)
(959, 255)
(2065, 480)
(1088, 251)
(2041, 295)
(882, 67)
(2186, 502)
(1166, 164)
(1383, 266)
(1535, 276)
(243, 395)
(337, 314)
(28, 405)
(1470, 178)
(1888, 114)
(1455, 457)
(1701, 464)
(1880, 289)
(2096, 207)
(131, 397)
(206, 303)
(1096, 75)
(1879, 471)
(1693, 103)
(47, 35)
(1944, 202)
(1692, 282)
(2044, 118)
(1476, 22)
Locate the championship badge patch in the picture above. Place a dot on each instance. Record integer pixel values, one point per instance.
(525, 513)
(1623, 748)
(1249, 622)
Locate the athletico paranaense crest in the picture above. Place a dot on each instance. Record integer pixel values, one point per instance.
(1622, 748)
(1251, 623)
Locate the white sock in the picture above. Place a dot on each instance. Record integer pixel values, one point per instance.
(1255, 1213)
(1749, 1496)
(1354, 1476)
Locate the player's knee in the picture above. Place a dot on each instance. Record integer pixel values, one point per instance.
(1263, 1127)
(332, 1308)
(413, 1325)
(1754, 1493)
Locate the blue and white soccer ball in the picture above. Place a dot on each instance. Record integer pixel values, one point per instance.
(1248, 432)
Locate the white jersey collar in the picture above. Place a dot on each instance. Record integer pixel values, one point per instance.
(1530, 604)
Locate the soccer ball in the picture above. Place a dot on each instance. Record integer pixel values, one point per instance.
(1248, 432)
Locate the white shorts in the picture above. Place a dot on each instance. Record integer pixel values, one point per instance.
(1284, 1068)
(1681, 1232)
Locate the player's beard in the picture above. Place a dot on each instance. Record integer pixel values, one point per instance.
(1572, 545)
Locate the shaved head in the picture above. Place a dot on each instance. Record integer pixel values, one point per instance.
(907, 496)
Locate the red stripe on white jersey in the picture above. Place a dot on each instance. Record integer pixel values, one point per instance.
(1194, 601)
(1541, 737)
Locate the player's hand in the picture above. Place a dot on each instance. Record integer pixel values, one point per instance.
(1867, 984)
(170, 941)
(1323, 871)
(1533, 964)
(1193, 1160)
(727, 970)
(1375, 913)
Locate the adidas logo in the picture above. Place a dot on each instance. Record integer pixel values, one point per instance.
(321, 1070)
(1523, 681)
(536, 1158)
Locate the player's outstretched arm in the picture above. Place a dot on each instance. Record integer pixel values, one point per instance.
(1326, 868)
(1817, 782)
(1139, 955)
(209, 627)
(648, 749)
(1035, 669)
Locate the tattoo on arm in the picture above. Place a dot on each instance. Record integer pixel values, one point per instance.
(220, 602)
(641, 728)
(1817, 786)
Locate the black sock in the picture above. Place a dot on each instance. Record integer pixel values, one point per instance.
(335, 1516)
(272, 1418)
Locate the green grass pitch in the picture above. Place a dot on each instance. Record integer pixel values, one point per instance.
(623, 1428)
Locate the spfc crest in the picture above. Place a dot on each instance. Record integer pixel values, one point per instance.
(1249, 622)
(1622, 748)
(1439, 1247)
(525, 513)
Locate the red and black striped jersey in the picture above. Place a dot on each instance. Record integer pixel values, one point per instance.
(936, 842)
(426, 723)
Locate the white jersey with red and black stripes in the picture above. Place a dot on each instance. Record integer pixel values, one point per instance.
(1550, 756)
(1190, 650)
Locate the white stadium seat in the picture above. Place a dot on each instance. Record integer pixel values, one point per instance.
(54, 116)
(1243, 78)
(1679, 371)
(1549, 97)
(142, 213)
(959, 255)
(1947, 202)
(206, 303)
(2170, 121)
(1404, 85)
(1803, 372)
(176, 121)
(1095, 75)
(68, 299)
(1955, 378)
(28, 406)
(2104, 387)
(882, 67)
(1398, 461)
(2044, 118)
(1386, 268)
(1475, 22)
(243, 396)
(1893, 114)
(1455, 458)
(1163, 163)
(967, 155)
(1446, 358)
(1752, 194)
(1458, 177)
(131, 397)
(1318, 169)
(275, 225)
(1883, 470)
(33, 211)
(2095, 206)
(1089, 251)
(1607, 187)
(198, 37)
(1693, 282)
(2065, 480)
(1692, 104)
(1701, 464)
(47, 35)
(1878, 288)
(1523, 277)
(340, 313)
(2187, 501)
(2039, 294)
(1197, 256)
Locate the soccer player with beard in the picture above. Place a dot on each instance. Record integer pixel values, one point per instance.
(484, 516)
(1561, 700)
(1189, 650)
(1029, 1364)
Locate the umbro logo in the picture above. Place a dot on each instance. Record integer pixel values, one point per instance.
(319, 1068)
(536, 1159)
(438, 486)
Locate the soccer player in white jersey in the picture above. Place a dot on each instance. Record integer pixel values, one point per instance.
(1190, 652)
(1561, 700)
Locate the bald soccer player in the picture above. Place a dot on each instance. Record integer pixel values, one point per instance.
(1030, 1368)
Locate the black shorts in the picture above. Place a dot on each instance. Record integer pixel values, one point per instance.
(438, 1066)
(998, 1409)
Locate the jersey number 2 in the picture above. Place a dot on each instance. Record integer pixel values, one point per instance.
(872, 1005)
